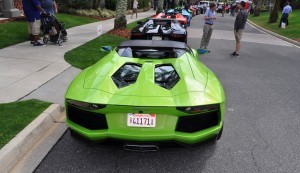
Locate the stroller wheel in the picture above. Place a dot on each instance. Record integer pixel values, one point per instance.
(59, 42)
(65, 39)
(45, 40)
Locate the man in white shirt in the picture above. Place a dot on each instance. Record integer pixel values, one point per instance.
(134, 8)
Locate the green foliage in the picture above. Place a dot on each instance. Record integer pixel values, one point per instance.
(291, 31)
(12, 33)
(89, 53)
(15, 116)
(16, 32)
(77, 4)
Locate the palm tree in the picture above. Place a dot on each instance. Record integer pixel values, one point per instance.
(274, 13)
(121, 8)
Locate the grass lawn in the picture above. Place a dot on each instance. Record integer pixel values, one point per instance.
(291, 31)
(16, 32)
(15, 116)
(89, 53)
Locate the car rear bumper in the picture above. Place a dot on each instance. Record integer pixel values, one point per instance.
(182, 138)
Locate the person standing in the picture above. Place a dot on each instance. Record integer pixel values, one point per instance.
(32, 10)
(49, 6)
(239, 25)
(209, 17)
(134, 8)
(285, 14)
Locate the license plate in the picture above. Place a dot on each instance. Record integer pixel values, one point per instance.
(141, 120)
(156, 38)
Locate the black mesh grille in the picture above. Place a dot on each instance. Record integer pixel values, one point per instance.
(197, 122)
(89, 120)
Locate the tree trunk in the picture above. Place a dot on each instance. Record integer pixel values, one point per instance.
(160, 4)
(256, 10)
(274, 13)
(176, 3)
(102, 3)
(121, 8)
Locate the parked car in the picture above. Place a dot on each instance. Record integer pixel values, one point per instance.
(160, 29)
(204, 5)
(172, 14)
(144, 93)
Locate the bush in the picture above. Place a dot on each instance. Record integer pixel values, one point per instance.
(76, 4)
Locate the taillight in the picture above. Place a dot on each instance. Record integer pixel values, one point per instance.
(177, 35)
(84, 105)
(199, 109)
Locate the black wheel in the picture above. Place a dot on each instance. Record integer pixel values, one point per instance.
(59, 42)
(65, 39)
(45, 40)
(220, 134)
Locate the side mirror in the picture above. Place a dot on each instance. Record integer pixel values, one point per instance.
(106, 48)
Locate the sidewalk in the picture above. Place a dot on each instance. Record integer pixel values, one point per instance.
(24, 68)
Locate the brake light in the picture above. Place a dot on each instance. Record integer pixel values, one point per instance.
(199, 109)
(177, 35)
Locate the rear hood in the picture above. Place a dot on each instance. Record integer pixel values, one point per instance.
(192, 78)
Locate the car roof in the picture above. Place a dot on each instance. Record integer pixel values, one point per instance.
(153, 43)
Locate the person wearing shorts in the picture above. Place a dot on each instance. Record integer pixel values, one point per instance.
(32, 10)
(134, 8)
(239, 25)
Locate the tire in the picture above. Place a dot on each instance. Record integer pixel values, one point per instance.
(45, 40)
(220, 134)
(59, 42)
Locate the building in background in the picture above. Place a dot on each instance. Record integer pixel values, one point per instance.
(10, 8)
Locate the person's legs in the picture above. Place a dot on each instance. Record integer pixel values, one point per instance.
(280, 22)
(204, 36)
(209, 33)
(238, 37)
(35, 32)
(136, 11)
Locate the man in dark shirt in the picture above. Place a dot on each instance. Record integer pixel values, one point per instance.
(239, 25)
(49, 6)
(32, 10)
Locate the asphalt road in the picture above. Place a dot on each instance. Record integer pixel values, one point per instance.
(262, 123)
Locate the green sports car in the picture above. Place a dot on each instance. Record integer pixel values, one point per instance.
(144, 93)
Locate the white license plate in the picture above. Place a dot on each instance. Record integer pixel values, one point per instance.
(156, 38)
(141, 120)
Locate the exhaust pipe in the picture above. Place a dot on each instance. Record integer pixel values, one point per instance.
(140, 147)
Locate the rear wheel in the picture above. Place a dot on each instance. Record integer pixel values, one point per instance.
(220, 134)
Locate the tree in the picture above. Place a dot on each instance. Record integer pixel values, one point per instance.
(121, 8)
(257, 7)
(274, 13)
(95, 4)
(160, 5)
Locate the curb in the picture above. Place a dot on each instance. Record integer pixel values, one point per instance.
(20, 148)
(296, 43)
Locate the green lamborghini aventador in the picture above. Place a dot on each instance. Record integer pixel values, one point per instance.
(146, 92)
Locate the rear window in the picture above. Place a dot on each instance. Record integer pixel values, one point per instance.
(153, 53)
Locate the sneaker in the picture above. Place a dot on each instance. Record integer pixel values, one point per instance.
(202, 51)
(38, 44)
(234, 54)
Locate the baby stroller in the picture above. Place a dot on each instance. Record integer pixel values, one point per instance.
(52, 29)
